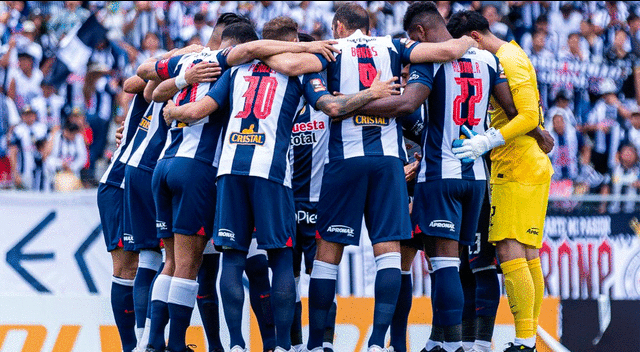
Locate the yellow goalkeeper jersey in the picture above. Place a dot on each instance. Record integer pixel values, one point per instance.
(520, 159)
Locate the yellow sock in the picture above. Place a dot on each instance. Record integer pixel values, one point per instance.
(521, 295)
(535, 268)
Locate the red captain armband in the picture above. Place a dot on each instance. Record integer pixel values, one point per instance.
(162, 69)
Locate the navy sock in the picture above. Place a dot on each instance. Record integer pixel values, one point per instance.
(283, 294)
(487, 300)
(330, 324)
(159, 311)
(257, 270)
(141, 288)
(387, 289)
(123, 311)
(449, 298)
(182, 299)
(401, 315)
(207, 299)
(469, 309)
(322, 289)
(232, 293)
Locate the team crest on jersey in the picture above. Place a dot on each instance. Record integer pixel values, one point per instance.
(317, 85)
(248, 136)
(407, 42)
(144, 123)
(364, 120)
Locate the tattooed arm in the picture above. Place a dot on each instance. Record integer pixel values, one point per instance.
(338, 105)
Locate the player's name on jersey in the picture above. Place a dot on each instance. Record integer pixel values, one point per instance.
(364, 120)
(260, 68)
(465, 67)
(247, 137)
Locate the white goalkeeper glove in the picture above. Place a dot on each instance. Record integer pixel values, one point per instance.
(477, 144)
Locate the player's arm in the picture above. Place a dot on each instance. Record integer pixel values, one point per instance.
(442, 52)
(338, 105)
(502, 94)
(290, 64)
(148, 69)
(200, 73)
(148, 90)
(190, 112)
(134, 85)
(261, 49)
(412, 97)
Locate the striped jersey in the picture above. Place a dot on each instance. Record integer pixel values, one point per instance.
(354, 70)
(263, 105)
(198, 140)
(114, 175)
(149, 139)
(460, 93)
(309, 141)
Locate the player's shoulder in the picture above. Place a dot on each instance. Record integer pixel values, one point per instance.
(512, 56)
(482, 56)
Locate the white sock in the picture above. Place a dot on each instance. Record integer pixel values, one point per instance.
(528, 342)
(432, 344)
(452, 346)
(483, 346)
(183, 292)
(467, 345)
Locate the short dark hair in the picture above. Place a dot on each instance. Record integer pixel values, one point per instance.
(198, 17)
(242, 32)
(465, 22)
(352, 16)
(416, 13)
(280, 28)
(304, 37)
(229, 18)
(71, 127)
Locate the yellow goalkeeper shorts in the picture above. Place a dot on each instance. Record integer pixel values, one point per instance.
(518, 212)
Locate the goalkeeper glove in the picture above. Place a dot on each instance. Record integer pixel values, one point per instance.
(477, 144)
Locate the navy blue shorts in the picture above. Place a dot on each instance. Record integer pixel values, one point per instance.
(482, 254)
(185, 197)
(448, 208)
(110, 206)
(306, 216)
(373, 186)
(248, 202)
(139, 208)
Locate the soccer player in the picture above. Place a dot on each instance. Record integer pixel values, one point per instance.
(254, 168)
(520, 179)
(110, 205)
(184, 178)
(364, 174)
(449, 192)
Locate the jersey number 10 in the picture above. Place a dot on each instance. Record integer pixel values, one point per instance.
(460, 116)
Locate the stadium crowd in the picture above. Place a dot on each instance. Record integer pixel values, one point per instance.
(587, 55)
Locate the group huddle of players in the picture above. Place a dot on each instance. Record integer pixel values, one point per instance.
(260, 151)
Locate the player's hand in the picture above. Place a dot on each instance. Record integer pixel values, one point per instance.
(203, 72)
(545, 141)
(119, 134)
(411, 170)
(478, 144)
(166, 112)
(381, 89)
(469, 41)
(324, 48)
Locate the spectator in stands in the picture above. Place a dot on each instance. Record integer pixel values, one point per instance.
(624, 178)
(538, 47)
(142, 19)
(202, 29)
(609, 20)
(561, 123)
(9, 117)
(551, 39)
(24, 80)
(388, 16)
(63, 21)
(565, 22)
(26, 148)
(603, 128)
(498, 28)
(10, 18)
(572, 51)
(49, 106)
(632, 130)
(150, 48)
(181, 21)
(633, 21)
(265, 11)
(590, 42)
(68, 153)
(618, 54)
